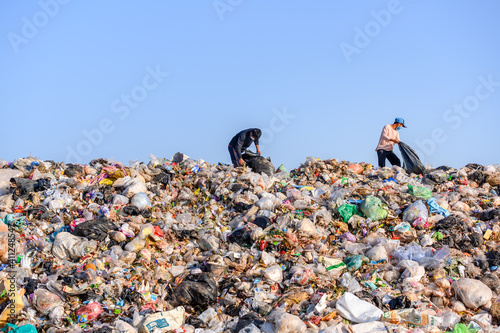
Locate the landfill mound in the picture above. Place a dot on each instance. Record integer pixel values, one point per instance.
(186, 246)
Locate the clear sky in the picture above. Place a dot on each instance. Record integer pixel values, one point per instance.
(123, 79)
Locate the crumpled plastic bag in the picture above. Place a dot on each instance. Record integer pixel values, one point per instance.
(347, 211)
(287, 323)
(141, 200)
(435, 208)
(414, 211)
(67, 246)
(373, 209)
(202, 292)
(354, 309)
(473, 293)
(420, 192)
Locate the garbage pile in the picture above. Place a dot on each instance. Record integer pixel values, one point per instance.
(182, 245)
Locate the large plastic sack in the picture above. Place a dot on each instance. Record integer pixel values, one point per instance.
(141, 200)
(200, 291)
(347, 211)
(45, 301)
(411, 162)
(164, 321)
(373, 209)
(67, 246)
(356, 310)
(258, 164)
(473, 293)
(96, 229)
(287, 323)
(420, 192)
(414, 211)
(435, 208)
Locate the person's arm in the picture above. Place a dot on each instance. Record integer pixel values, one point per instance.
(256, 141)
(385, 135)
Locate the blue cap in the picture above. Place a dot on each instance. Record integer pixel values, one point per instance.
(401, 121)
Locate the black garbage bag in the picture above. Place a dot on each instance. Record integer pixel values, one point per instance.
(258, 163)
(475, 166)
(131, 210)
(241, 207)
(163, 178)
(94, 229)
(493, 258)
(249, 318)
(478, 176)
(411, 162)
(490, 214)
(21, 187)
(196, 291)
(240, 235)
(400, 302)
(41, 185)
(262, 221)
(73, 170)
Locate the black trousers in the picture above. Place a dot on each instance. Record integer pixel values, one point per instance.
(234, 157)
(389, 154)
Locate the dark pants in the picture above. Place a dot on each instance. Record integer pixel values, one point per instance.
(383, 154)
(234, 157)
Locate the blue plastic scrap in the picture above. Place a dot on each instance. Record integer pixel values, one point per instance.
(436, 209)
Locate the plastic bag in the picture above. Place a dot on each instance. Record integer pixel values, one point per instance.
(141, 200)
(411, 162)
(274, 273)
(347, 211)
(373, 209)
(28, 328)
(202, 292)
(473, 293)
(166, 321)
(414, 211)
(69, 246)
(45, 301)
(462, 328)
(89, 312)
(435, 208)
(354, 262)
(96, 229)
(287, 323)
(302, 276)
(420, 192)
(354, 309)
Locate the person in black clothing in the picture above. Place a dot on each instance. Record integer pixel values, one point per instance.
(241, 142)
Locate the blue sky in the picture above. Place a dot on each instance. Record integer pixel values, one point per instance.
(123, 79)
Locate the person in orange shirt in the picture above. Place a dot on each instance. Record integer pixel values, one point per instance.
(388, 138)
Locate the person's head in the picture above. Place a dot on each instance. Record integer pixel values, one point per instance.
(399, 122)
(255, 134)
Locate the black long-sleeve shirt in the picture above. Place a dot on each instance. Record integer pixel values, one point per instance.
(242, 141)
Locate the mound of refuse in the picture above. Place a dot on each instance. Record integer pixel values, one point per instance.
(182, 245)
